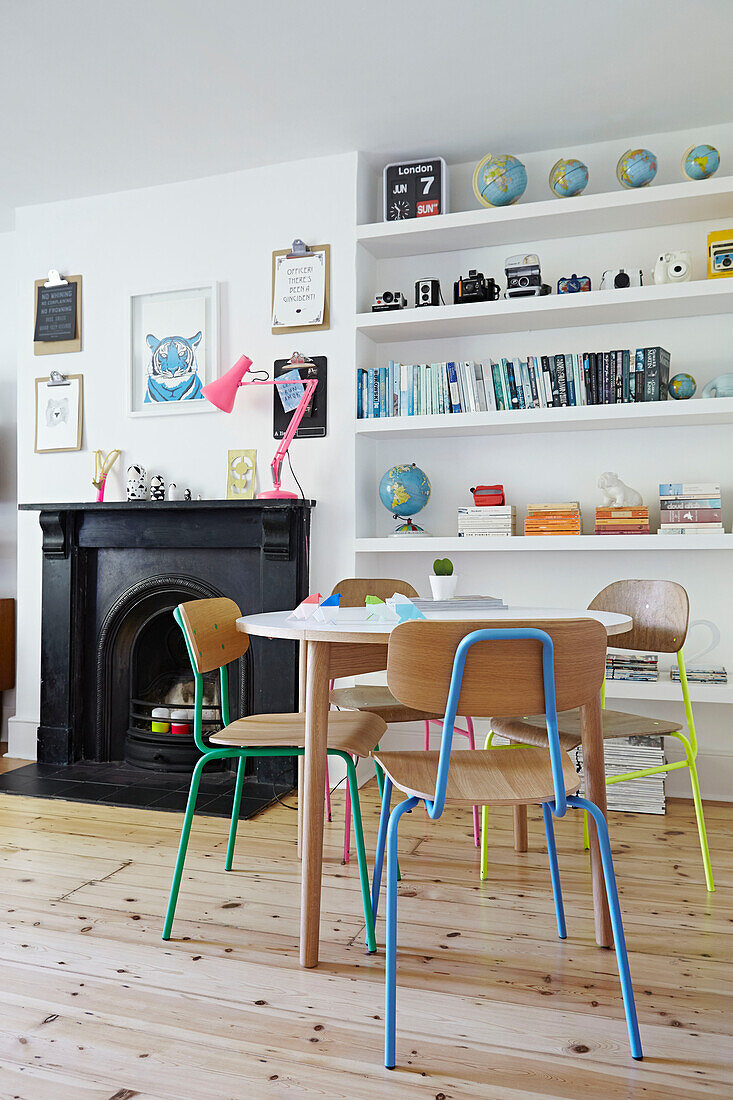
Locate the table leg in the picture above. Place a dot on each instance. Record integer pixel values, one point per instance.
(302, 666)
(316, 743)
(594, 766)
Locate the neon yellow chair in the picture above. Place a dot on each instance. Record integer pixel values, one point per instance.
(660, 610)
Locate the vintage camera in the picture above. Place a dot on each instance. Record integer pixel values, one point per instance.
(475, 288)
(620, 279)
(389, 299)
(427, 292)
(575, 284)
(673, 267)
(720, 253)
(523, 276)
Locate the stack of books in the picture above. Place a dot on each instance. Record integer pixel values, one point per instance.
(537, 382)
(712, 674)
(622, 521)
(497, 520)
(628, 754)
(632, 666)
(553, 519)
(689, 508)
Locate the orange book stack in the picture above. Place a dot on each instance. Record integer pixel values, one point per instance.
(553, 519)
(622, 521)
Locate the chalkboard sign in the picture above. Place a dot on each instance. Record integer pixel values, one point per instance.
(57, 316)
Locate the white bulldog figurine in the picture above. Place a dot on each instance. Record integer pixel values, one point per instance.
(616, 494)
(137, 477)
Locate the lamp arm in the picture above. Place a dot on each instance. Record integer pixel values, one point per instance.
(276, 464)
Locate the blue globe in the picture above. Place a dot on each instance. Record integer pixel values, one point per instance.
(499, 180)
(700, 162)
(568, 178)
(636, 168)
(404, 490)
(682, 387)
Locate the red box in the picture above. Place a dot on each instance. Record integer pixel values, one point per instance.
(487, 496)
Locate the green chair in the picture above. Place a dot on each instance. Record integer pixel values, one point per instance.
(213, 642)
(660, 611)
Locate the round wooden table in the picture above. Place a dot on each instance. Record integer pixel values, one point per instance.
(351, 648)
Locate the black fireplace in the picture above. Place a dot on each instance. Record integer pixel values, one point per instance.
(111, 651)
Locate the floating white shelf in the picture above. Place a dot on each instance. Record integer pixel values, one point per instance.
(700, 298)
(665, 204)
(433, 544)
(655, 414)
(665, 690)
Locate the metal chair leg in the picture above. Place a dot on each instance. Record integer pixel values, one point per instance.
(702, 832)
(235, 813)
(619, 940)
(361, 852)
(390, 966)
(381, 843)
(347, 824)
(472, 745)
(554, 872)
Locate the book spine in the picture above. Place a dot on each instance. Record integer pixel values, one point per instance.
(513, 389)
(468, 386)
(359, 393)
(442, 406)
(651, 375)
(423, 389)
(455, 400)
(554, 388)
(562, 381)
(478, 382)
(526, 387)
(607, 388)
(688, 489)
(690, 515)
(382, 391)
(639, 375)
(619, 377)
(573, 386)
(370, 389)
(694, 502)
(546, 379)
(535, 378)
(488, 382)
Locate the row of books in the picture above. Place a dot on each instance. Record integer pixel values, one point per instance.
(711, 674)
(622, 521)
(632, 666)
(554, 519)
(689, 508)
(627, 754)
(480, 522)
(538, 382)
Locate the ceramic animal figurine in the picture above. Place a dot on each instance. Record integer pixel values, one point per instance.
(722, 386)
(187, 494)
(102, 466)
(157, 487)
(173, 493)
(137, 477)
(616, 494)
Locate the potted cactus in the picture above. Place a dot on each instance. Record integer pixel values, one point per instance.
(443, 581)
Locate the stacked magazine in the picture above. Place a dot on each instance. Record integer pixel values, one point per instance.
(632, 666)
(713, 674)
(628, 754)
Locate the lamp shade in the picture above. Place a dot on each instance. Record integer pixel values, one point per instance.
(223, 391)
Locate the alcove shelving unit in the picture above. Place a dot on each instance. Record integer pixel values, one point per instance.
(382, 247)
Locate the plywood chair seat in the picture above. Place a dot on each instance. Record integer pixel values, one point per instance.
(376, 699)
(348, 731)
(616, 723)
(517, 778)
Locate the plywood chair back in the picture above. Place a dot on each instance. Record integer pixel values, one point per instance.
(212, 633)
(660, 610)
(354, 590)
(501, 677)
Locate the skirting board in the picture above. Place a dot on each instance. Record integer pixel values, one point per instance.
(22, 737)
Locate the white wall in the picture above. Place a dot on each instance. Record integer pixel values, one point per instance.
(223, 228)
(7, 439)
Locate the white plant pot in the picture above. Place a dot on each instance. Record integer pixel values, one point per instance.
(444, 588)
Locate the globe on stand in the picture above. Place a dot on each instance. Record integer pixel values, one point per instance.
(499, 180)
(682, 387)
(700, 162)
(636, 168)
(568, 178)
(404, 491)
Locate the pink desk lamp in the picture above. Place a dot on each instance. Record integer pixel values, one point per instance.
(222, 393)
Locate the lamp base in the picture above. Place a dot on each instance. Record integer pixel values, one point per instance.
(277, 494)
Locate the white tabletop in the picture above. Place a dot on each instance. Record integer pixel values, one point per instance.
(279, 624)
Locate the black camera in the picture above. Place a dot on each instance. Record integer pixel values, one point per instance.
(475, 288)
(524, 277)
(389, 299)
(427, 292)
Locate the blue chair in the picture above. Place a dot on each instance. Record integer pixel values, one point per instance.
(454, 668)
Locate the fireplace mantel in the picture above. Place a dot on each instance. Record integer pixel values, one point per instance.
(252, 551)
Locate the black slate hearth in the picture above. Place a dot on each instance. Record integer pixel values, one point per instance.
(112, 573)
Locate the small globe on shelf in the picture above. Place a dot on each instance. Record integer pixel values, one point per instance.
(499, 180)
(682, 387)
(568, 178)
(636, 168)
(404, 491)
(700, 162)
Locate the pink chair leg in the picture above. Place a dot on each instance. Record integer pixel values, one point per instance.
(328, 795)
(472, 745)
(427, 736)
(347, 826)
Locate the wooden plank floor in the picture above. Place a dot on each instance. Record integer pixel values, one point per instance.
(93, 1006)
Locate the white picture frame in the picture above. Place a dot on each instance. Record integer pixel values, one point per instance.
(174, 350)
(59, 414)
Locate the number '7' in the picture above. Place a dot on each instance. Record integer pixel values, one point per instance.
(427, 183)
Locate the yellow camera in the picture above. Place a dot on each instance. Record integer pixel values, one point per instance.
(720, 253)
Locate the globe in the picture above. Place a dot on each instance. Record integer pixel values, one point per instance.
(682, 387)
(700, 162)
(499, 181)
(636, 168)
(568, 178)
(404, 491)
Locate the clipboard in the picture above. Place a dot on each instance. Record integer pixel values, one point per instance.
(300, 251)
(314, 422)
(57, 347)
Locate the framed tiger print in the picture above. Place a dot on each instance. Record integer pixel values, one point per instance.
(174, 350)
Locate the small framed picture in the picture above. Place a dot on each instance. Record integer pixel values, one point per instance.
(174, 350)
(59, 414)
